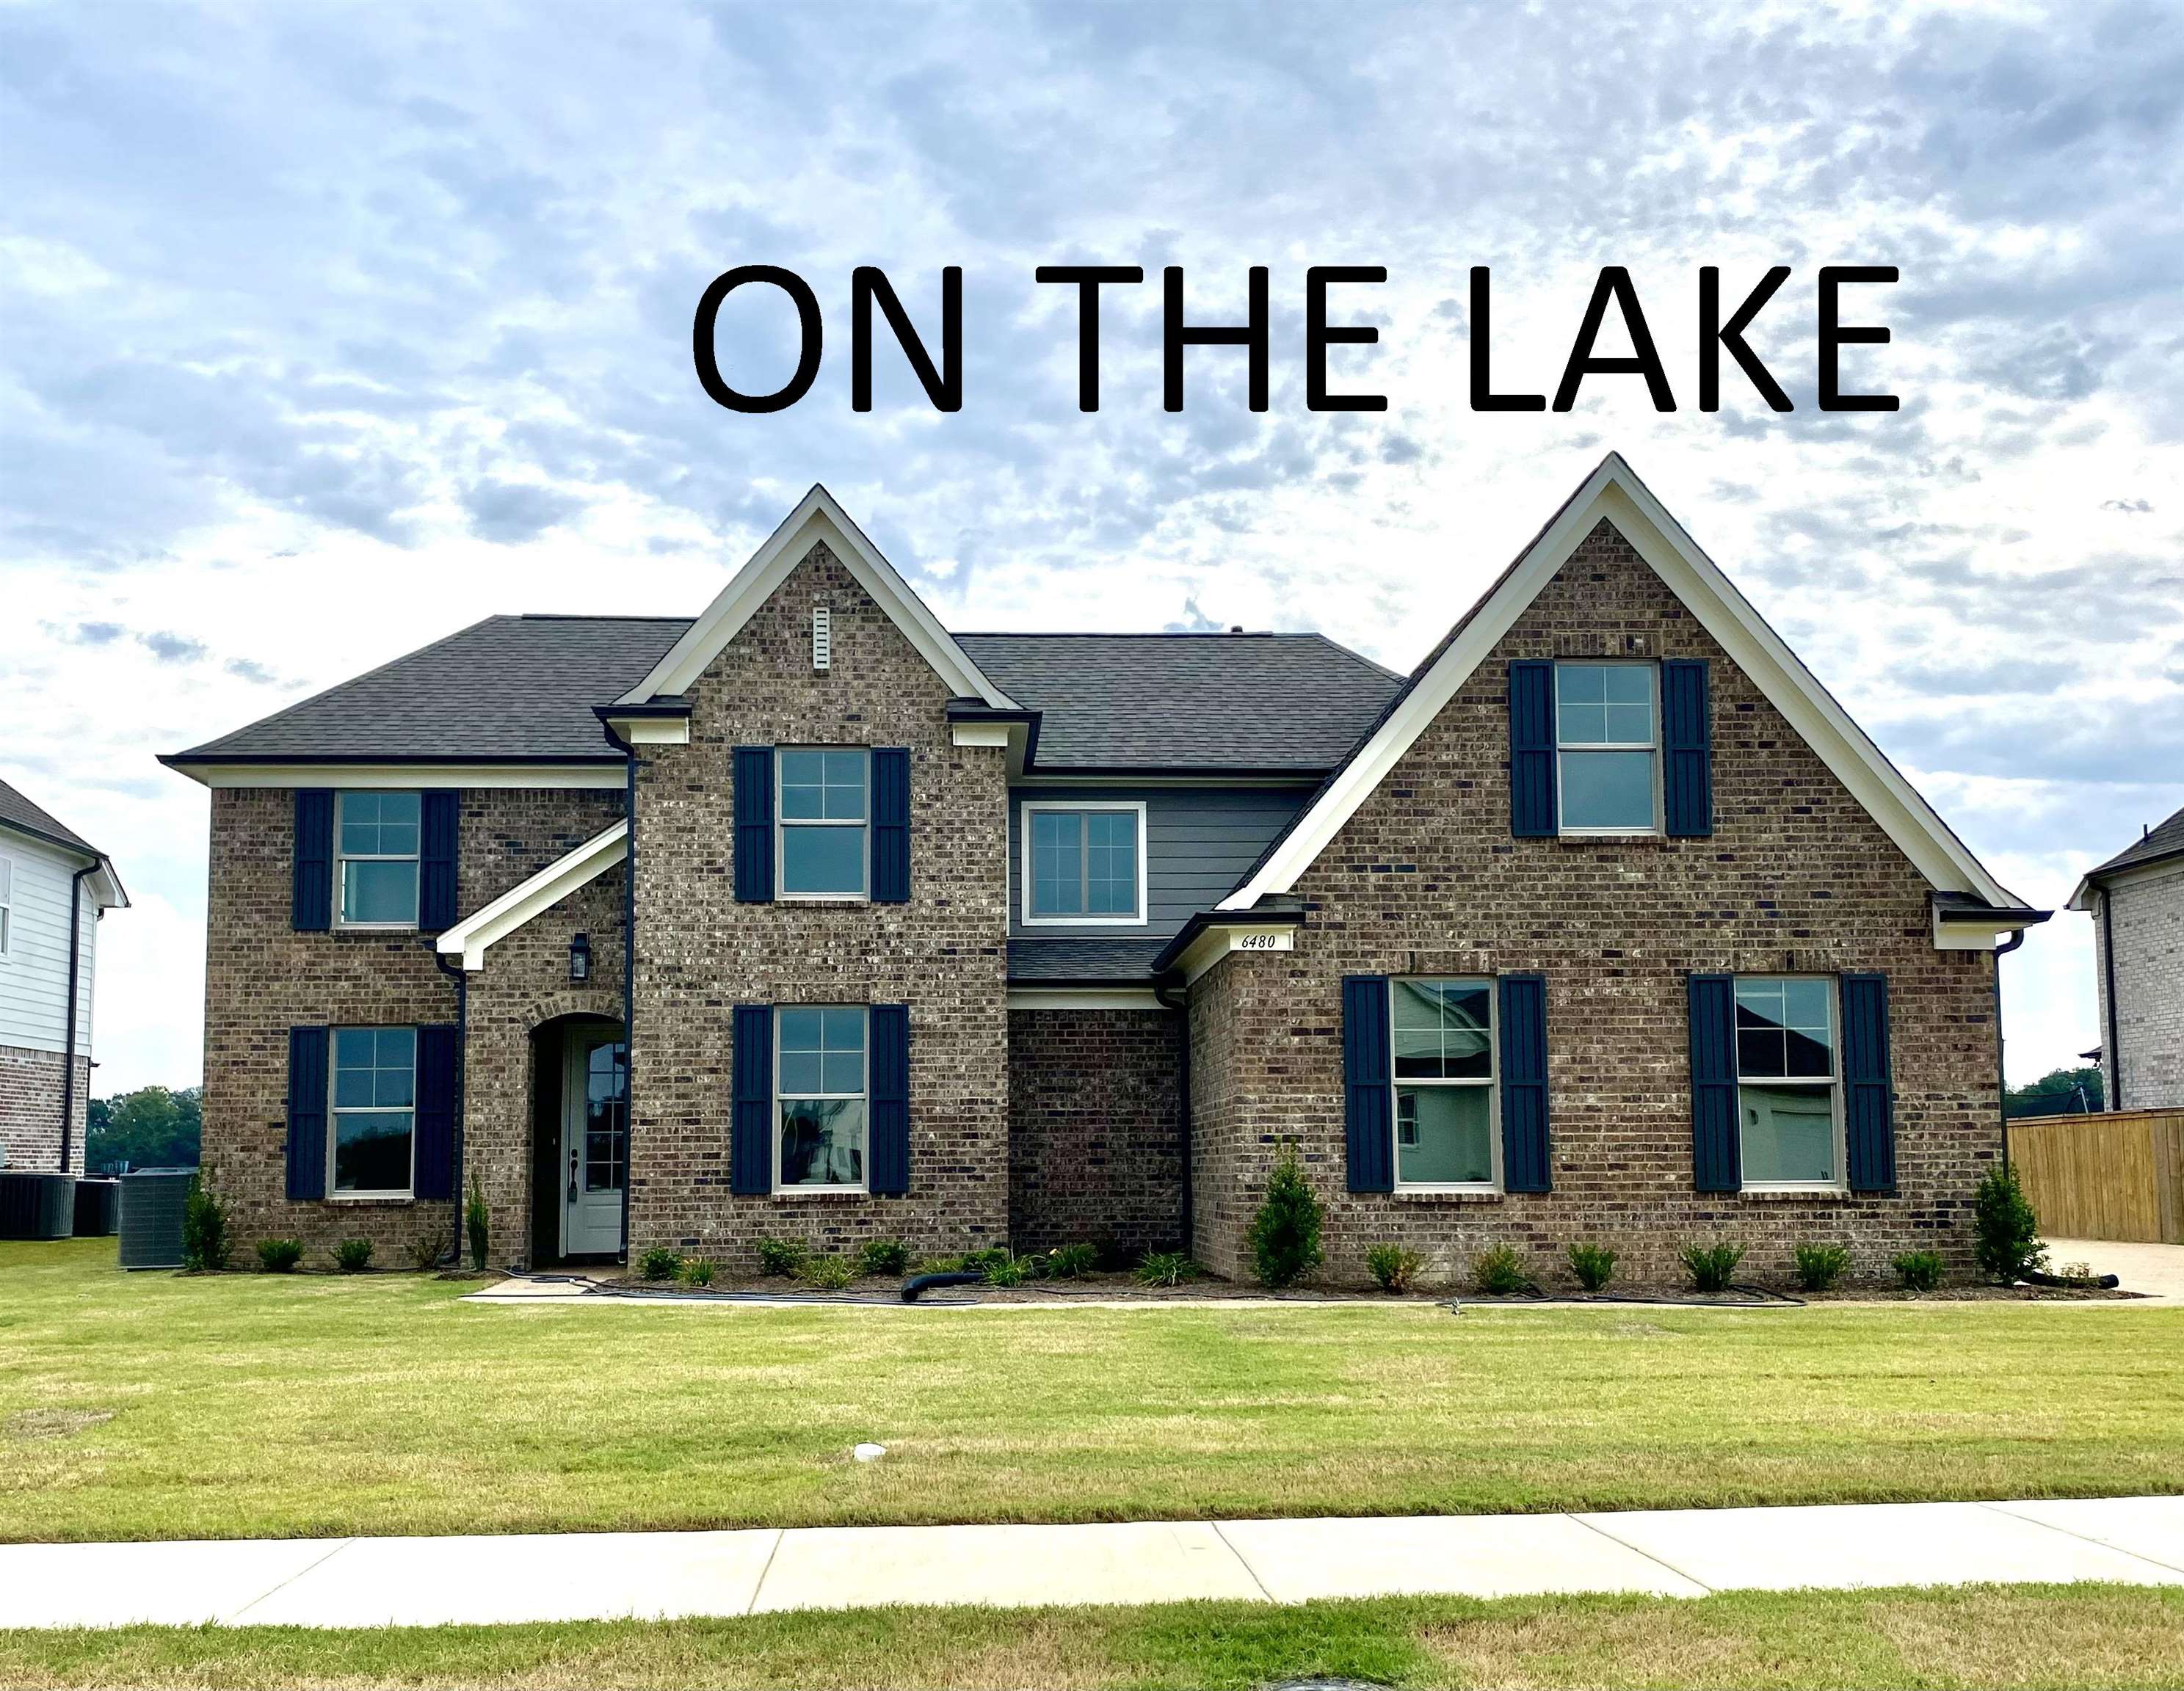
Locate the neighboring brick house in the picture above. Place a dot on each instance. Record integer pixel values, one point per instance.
(54, 886)
(2136, 902)
(808, 919)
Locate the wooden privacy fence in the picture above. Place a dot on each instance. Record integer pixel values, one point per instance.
(2114, 1175)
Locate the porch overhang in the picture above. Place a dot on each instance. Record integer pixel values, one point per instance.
(470, 937)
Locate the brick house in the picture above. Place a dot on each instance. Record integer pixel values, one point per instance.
(807, 918)
(2137, 901)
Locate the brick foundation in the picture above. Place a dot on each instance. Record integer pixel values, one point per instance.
(31, 1083)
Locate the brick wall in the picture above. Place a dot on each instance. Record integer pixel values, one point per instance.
(700, 953)
(1096, 1121)
(2146, 916)
(1425, 879)
(30, 1087)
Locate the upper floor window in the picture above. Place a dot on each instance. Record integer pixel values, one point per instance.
(375, 1080)
(819, 1089)
(376, 835)
(1442, 1036)
(1085, 863)
(1606, 740)
(7, 906)
(822, 819)
(1786, 1075)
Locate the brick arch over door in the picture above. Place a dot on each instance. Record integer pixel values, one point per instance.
(589, 1001)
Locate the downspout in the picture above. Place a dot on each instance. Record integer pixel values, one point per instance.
(461, 977)
(2108, 969)
(1181, 1005)
(628, 985)
(2001, 1074)
(68, 1059)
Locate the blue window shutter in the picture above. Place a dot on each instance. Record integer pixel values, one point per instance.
(750, 1129)
(1869, 1090)
(441, 812)
(890, 827)
(754, 785)
(1717, 1162)
(311, 892)
(886, 1169)
(1532, 748)
(1368, 1104)
(1524, 1162)
(1687, 742)
(435, 1149)
(306, 1113)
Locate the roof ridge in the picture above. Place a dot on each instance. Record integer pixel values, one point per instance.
(584, 616)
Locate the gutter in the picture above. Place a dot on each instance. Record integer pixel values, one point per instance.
(68, 1059)
(2114, 1053)
(462, 979)
(2001, 1074)
(628, 974)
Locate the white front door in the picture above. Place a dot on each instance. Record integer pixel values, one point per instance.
(594, 1142)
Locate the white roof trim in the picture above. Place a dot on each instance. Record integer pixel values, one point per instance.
(818, 517)
(470, 936)
(1614, 490)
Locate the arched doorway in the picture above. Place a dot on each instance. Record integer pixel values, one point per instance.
(579, 1138)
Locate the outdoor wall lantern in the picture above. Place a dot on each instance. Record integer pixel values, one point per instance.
(580, 958)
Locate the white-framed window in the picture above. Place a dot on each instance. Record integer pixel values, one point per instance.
(375, 837)
(1447, 1105)
(1608, 738)
(375, 1112)
(7, 908)
(1789, 1101)
(1083, 863)
(820, 1080)
(822, 813)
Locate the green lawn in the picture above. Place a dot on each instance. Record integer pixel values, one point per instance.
(2046, 1636)
(160, 1406)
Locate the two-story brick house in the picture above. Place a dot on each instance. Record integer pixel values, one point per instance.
(808, 918)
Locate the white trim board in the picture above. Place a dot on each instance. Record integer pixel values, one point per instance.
(1085, 997)
(1614, 492)
(603, 777)
(818, 517)
(470, 937)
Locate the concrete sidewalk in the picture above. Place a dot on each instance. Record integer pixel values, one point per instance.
(607, 1576)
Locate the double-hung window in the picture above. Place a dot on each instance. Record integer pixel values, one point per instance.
(375, 1110)
(1443, 1035)
(1788, 1117)
(1606, 747)
(823, 817)
(7, 906)
(1085, 863)
(819, 1083)
(376, 835)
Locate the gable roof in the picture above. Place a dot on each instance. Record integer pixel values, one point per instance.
(17, 814)
(818, 517)
(1614, 492)
(2157, 844)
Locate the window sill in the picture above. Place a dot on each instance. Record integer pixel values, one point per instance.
(1460, 1194)
(821, 1194)
(368, 1200)
(842, 898)
(1611, 836)
(1794, 1195)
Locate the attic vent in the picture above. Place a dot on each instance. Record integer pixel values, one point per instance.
(822, 638)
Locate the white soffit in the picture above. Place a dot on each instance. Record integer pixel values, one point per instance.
(470, 936)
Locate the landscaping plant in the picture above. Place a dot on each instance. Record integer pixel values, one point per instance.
(1818, 1266)
(783, 1257)
(1165, 1268)
(1006, 1270)
(696, 1270)
(1920, 1271)
(1393, 1268)
(883, 1256)
(425, 1254)
(205, 1243)
(829, 1273)
(353, 1256)
(2005, 1232)
(1593, 1264)
(1710, 1266)
(658, 1263)
(1500, 1273)
(1069, 1262)
(475, 1218)
(280, 1256)
(1284, 1235)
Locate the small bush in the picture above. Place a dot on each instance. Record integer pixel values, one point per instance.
(784, 1257)
(696, 1270)
(2006, 1242)
(2078, 1273)
(829, 1273)
(205, 1242)
(475, 1217)
(1818, 1266)
(1285, 1234)
(280, 1256)
(353, 1256)
(1166, 1268)
(1009, 1270)
(425, 1254)
(883, 1256)
(979, 1261)
(1710, 1266)
(1500, 1273)
(658, 1263)
(1593, 1264)
(1393, 1268)
(1920, 1271)
(1069, 1262)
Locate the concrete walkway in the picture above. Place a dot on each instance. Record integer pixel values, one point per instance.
(2155, 1273)
(606, 1575)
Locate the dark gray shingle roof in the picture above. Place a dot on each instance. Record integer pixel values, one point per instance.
(1055, 962)
(18, 812)
(2165, 841)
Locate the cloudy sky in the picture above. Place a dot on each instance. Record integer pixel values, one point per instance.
(325, 331)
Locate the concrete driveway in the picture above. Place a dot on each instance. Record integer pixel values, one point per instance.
(2155, 1271)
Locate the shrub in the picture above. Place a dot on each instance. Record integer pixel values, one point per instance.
(883, 1256)
(696, 1270)
(1593, 1264)
(2078, 1273)
(2006, 1233)
(353, 1256)
(781, 1256)
(475, 1219)
(425, 1254)
(280, 1256)
(1070, 1262)
(1920, 1271)
(205, 1242)
(827, 1273)
(1393, 1268)
(1285, 1234)
(1008, 1270)
(1499, 1271)
(1818, 1266)
(1710, 1266)
(658, 1263)
(1166, 1268)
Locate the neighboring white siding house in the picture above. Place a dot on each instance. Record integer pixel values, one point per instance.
(2136, 902)
(40, 859)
